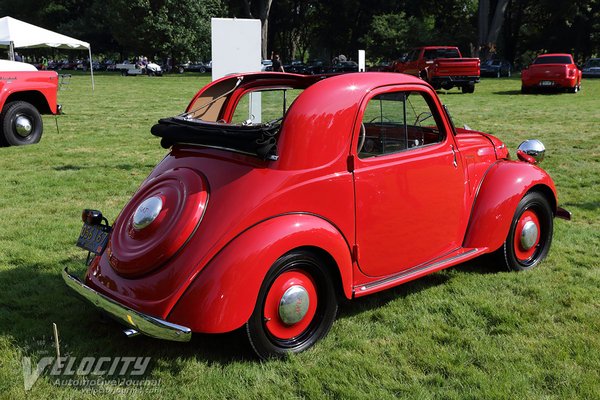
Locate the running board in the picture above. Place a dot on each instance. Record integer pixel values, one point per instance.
(457, 257)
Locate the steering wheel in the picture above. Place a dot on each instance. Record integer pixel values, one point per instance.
(363, 136)
(425, 115)
(382, 118)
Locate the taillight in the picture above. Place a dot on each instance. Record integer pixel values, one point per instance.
(571, 73)
(92, 217)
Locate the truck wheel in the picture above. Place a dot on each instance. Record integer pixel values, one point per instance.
(468, 88)
(296, 306)
(21, 123)
(530, 234)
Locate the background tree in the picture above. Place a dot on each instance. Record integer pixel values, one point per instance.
(256, 9)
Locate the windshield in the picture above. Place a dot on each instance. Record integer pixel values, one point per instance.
(553, 60)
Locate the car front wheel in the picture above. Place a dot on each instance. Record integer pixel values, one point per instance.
(296, 306)
(21, 124)
(530, 235)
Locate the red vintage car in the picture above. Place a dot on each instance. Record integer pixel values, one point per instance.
(282, 194)
(551, 71)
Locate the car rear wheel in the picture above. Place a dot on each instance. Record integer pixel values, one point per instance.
(296, 306)
(530, 235)
(21, 124)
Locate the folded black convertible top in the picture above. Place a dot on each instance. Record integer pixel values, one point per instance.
(255, 139)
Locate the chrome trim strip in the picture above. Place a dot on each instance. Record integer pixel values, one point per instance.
(137, 321)
(416, 270)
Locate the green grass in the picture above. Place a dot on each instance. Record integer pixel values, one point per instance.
(470, 332)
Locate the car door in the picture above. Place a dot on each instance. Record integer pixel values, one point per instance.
(409, 182)
(411, 66)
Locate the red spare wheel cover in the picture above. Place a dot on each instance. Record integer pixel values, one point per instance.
(179, 197)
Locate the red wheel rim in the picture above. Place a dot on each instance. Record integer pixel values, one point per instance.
(525, 253)
(273, 322)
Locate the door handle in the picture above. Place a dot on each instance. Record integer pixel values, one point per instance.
(454, 156)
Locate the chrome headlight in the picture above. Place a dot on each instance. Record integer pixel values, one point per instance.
(533, 148)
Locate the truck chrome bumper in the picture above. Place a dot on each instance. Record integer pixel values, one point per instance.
(136, 321)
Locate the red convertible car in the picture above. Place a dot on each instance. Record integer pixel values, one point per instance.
(551, 71)
(283, 194)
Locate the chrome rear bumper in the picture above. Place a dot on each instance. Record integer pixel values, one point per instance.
(145, 324)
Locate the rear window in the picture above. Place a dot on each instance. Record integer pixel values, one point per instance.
(253, 128)
(553, 60)
(441, 53)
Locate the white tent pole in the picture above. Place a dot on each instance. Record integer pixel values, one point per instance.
(11, 51)
(91, 67)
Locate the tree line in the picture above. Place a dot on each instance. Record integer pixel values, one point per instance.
(316, 29)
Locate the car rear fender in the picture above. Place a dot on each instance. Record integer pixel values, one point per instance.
(498, 195)
(223, 295)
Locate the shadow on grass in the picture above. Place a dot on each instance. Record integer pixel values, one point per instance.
(35, 296)
(509, 92)
(590, 206)
(485, 264)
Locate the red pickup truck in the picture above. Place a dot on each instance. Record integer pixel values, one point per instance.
(442, 67)
(551, 71)
(25, 94)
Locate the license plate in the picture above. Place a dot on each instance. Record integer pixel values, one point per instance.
(93, 238)
(546, 83)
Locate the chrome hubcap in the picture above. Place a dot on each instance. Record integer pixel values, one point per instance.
(529, 235)
(147, 212)
(23, 126)
(293, 305)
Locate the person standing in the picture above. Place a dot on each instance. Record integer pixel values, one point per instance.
(277, 66)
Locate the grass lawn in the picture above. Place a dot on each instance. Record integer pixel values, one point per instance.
(469, 332)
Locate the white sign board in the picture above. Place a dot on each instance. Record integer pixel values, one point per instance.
(361, 61)
(236, 47)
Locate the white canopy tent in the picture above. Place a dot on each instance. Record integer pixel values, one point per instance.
(16, 34)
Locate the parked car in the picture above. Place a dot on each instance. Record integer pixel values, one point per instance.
(551, 71)
(443, 67)
(25, 94)
(591, 68)
(349, 185)
(343, 66)
(266, 65)
(195, 66)
(129, 69)
(295, 67)
(383, 66)
(496, 68)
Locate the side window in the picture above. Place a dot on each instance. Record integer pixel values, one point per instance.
(430, 54)
(398, 121)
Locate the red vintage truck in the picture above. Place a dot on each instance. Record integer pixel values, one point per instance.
(25, 94)
(441, 66)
